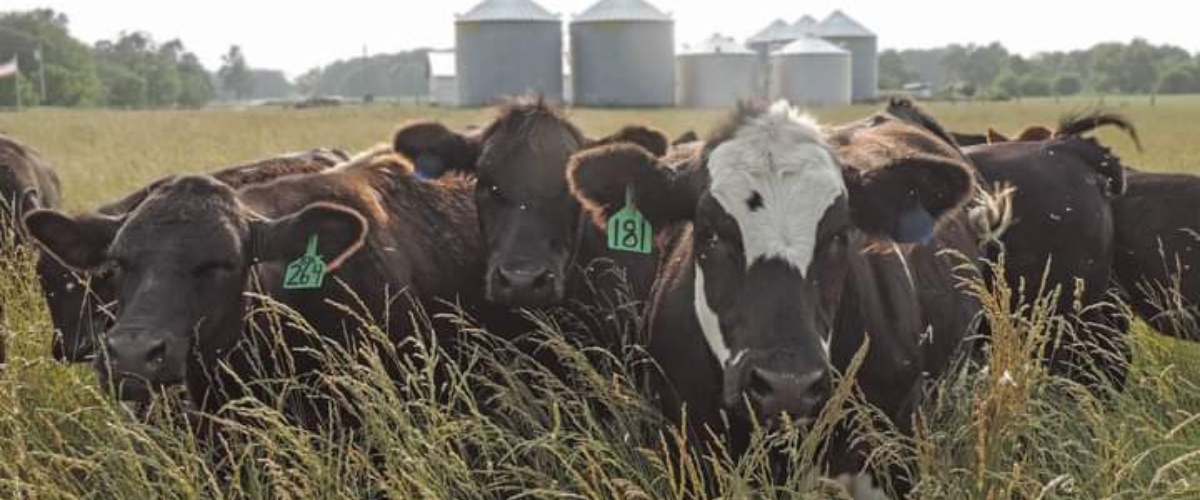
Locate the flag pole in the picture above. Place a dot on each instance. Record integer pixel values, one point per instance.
(37, 55)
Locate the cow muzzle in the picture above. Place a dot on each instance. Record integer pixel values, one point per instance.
(774, 385)
(527, 284)
(136, 364)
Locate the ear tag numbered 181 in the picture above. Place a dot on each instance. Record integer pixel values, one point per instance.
(307, 272)
(628, 230)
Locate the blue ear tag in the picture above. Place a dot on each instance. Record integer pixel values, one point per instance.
(914, 225)
(427, 167)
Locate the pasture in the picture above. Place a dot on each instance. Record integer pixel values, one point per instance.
(1014, 432)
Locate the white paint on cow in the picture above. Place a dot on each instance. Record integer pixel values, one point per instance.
(782, 158)
(709, 323)
(861, 487)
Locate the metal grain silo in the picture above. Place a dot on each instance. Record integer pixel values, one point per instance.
(507, 48)
(847, 33)
(623, 54)
(716, 73)
(771, 38)
(811, 72)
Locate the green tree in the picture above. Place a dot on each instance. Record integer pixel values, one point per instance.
(1034, 86)
(893, 71)
(195, 85)
(69, 70)
(235, 73)
(1179, 80)
(1007, 85)
(1067, 84)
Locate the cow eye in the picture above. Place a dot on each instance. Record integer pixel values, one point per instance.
(210, 269)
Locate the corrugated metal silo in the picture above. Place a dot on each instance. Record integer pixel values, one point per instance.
(847, 33)
(771, 38)
(811, 72)
(443, 82)
(716, 73)
(623, 54)
(506, 48)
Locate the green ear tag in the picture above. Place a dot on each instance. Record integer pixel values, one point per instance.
(307, 272)
(628, 230)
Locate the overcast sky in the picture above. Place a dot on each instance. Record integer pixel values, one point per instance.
(295, 35)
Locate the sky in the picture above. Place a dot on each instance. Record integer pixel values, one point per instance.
(295, 36)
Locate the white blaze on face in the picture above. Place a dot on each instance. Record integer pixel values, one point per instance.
(778, 160)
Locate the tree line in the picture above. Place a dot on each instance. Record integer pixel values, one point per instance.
(992, 72)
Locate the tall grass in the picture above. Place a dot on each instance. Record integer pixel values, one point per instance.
(477, 417)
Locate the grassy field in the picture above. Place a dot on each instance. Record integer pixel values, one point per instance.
(982, 439)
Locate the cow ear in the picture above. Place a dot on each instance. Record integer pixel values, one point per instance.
(650, 139)
(339, 231)
(78, 242)
(904, 200)
(1036, 133)
(599, 178)
(686, 137)
(31, 200)
(994, 136)
(435, 150)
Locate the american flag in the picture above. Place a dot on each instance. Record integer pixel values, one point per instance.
(9, 68)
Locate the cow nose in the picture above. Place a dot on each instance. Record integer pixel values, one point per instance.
(534, 278)
(138, 357)
(775, 392)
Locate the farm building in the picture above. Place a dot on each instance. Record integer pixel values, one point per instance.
(771, 38)
(716, 73)
(847, 33)
(622, 54)
(811, 72)
(508, 47)
(443, 85)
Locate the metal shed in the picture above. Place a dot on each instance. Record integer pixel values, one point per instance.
(506, 48)
(623, 54)
(847, 33)
(811, 72)
(443, 84)
(716, 73)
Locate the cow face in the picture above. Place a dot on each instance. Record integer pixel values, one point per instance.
(530, 222)
(179, 263)
(778, 222)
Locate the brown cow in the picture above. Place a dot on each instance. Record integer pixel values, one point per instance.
(27, 183)
(390, 241)
(77, 302)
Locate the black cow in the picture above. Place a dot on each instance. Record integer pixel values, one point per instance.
(798, 252)
(183, 258)
(1064, 233)
(27, 183)
(79, 303)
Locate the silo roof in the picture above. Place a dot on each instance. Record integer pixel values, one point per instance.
(838, 24)
(805, 26)
(621, 10)
(774, 32)
(507, 10)
(811, 45)
(718, 44)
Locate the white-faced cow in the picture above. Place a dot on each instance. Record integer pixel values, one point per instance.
(183, 258)
(79, 303)
(797, 253)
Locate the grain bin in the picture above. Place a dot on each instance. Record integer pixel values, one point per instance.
(847, 33)
(771, 38)
(716, 73)
(623, 54)
(811, 72)
(443, 83)
(508, 48)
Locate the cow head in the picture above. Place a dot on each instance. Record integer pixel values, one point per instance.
(529, 220)
(179, 264)
(778, 222)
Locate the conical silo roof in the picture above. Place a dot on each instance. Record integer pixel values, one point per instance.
(810, 45)
(507, 10)
(622, 10)
(840, 25)
(717, 44)
(774, 32)
(805, 26)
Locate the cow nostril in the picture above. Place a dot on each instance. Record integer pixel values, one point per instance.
(156, 353)
(542, 280)
(757, 386)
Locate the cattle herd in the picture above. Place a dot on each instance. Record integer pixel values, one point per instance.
(761, 258)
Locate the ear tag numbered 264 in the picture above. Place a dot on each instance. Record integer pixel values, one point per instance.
(628, 229)
(307, 272)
